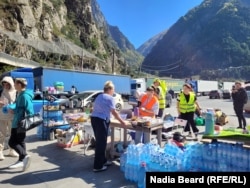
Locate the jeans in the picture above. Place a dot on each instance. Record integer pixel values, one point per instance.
(16, 142)
(101, 131)
(240, 116)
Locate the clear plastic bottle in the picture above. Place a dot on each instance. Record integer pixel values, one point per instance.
(142, 176)
(136, 111)
(123, 160)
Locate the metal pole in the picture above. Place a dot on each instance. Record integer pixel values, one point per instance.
(82, 60)
(5, 41)
(113, 62)
(140, 68)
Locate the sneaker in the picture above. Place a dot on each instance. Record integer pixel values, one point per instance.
(18, 164)
(108, 163)
(189, 134)
(13, 153)
(26, 162)
(196, 136)
(101, 169)
(1, 156)
(239, 127)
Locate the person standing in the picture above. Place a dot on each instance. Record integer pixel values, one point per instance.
(24, 106)
(100, 119)
(7, 96)
(186, 106)
(73, 90)
(239, 96)
(160, 95)
(149, 106)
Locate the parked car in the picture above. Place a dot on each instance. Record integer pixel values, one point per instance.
(226, 94)
(86, 98)
(215, 94)
(247, 105)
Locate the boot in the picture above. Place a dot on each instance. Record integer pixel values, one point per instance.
(13, 153)
(1, 153)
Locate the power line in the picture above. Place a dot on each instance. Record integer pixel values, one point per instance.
(159, 66)
(161, 70)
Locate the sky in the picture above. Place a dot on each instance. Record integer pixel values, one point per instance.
(140, 20)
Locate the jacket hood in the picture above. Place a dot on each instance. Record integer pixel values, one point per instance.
(9, 80)
(28, 92)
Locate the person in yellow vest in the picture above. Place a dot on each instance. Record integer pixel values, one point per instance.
(149, 106)
(197, 111)
(186, 106)
(161, 96)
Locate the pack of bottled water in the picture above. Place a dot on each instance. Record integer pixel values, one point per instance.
(216, 157)
(197, 157)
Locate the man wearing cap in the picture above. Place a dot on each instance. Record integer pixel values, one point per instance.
(24, 106)
(161, 97)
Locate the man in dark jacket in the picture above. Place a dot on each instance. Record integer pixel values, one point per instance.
(239, 95)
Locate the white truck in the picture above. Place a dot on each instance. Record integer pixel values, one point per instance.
(203, 87)
(138, 86)
(228, 85)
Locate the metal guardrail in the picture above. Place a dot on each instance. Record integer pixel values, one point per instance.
(18, 62)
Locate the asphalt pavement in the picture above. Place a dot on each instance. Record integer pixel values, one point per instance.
(56, 167)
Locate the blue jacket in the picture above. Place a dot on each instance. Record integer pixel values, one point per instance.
(23, 105)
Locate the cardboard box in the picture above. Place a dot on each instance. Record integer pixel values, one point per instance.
(70, 139)
(222, 120)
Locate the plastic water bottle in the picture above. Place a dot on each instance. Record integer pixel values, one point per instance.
(209, 124)
(222, 164)
(128, 175)
(239, 162)
(142, 176)
(136, 111)
(123, 160)
(228, 159)
(7, 107)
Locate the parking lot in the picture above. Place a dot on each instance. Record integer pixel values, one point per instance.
(54, 167)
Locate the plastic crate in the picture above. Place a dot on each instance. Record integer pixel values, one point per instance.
(38, 104)
(51, 114)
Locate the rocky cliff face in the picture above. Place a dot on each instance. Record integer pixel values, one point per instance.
(70, 33)
(146, 47)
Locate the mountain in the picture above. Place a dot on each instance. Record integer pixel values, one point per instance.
(147, 46)
(126, 53)
(128, 50)
(212, 40)
(68, 34)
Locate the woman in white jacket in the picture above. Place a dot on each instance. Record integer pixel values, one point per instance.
(8, 96)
